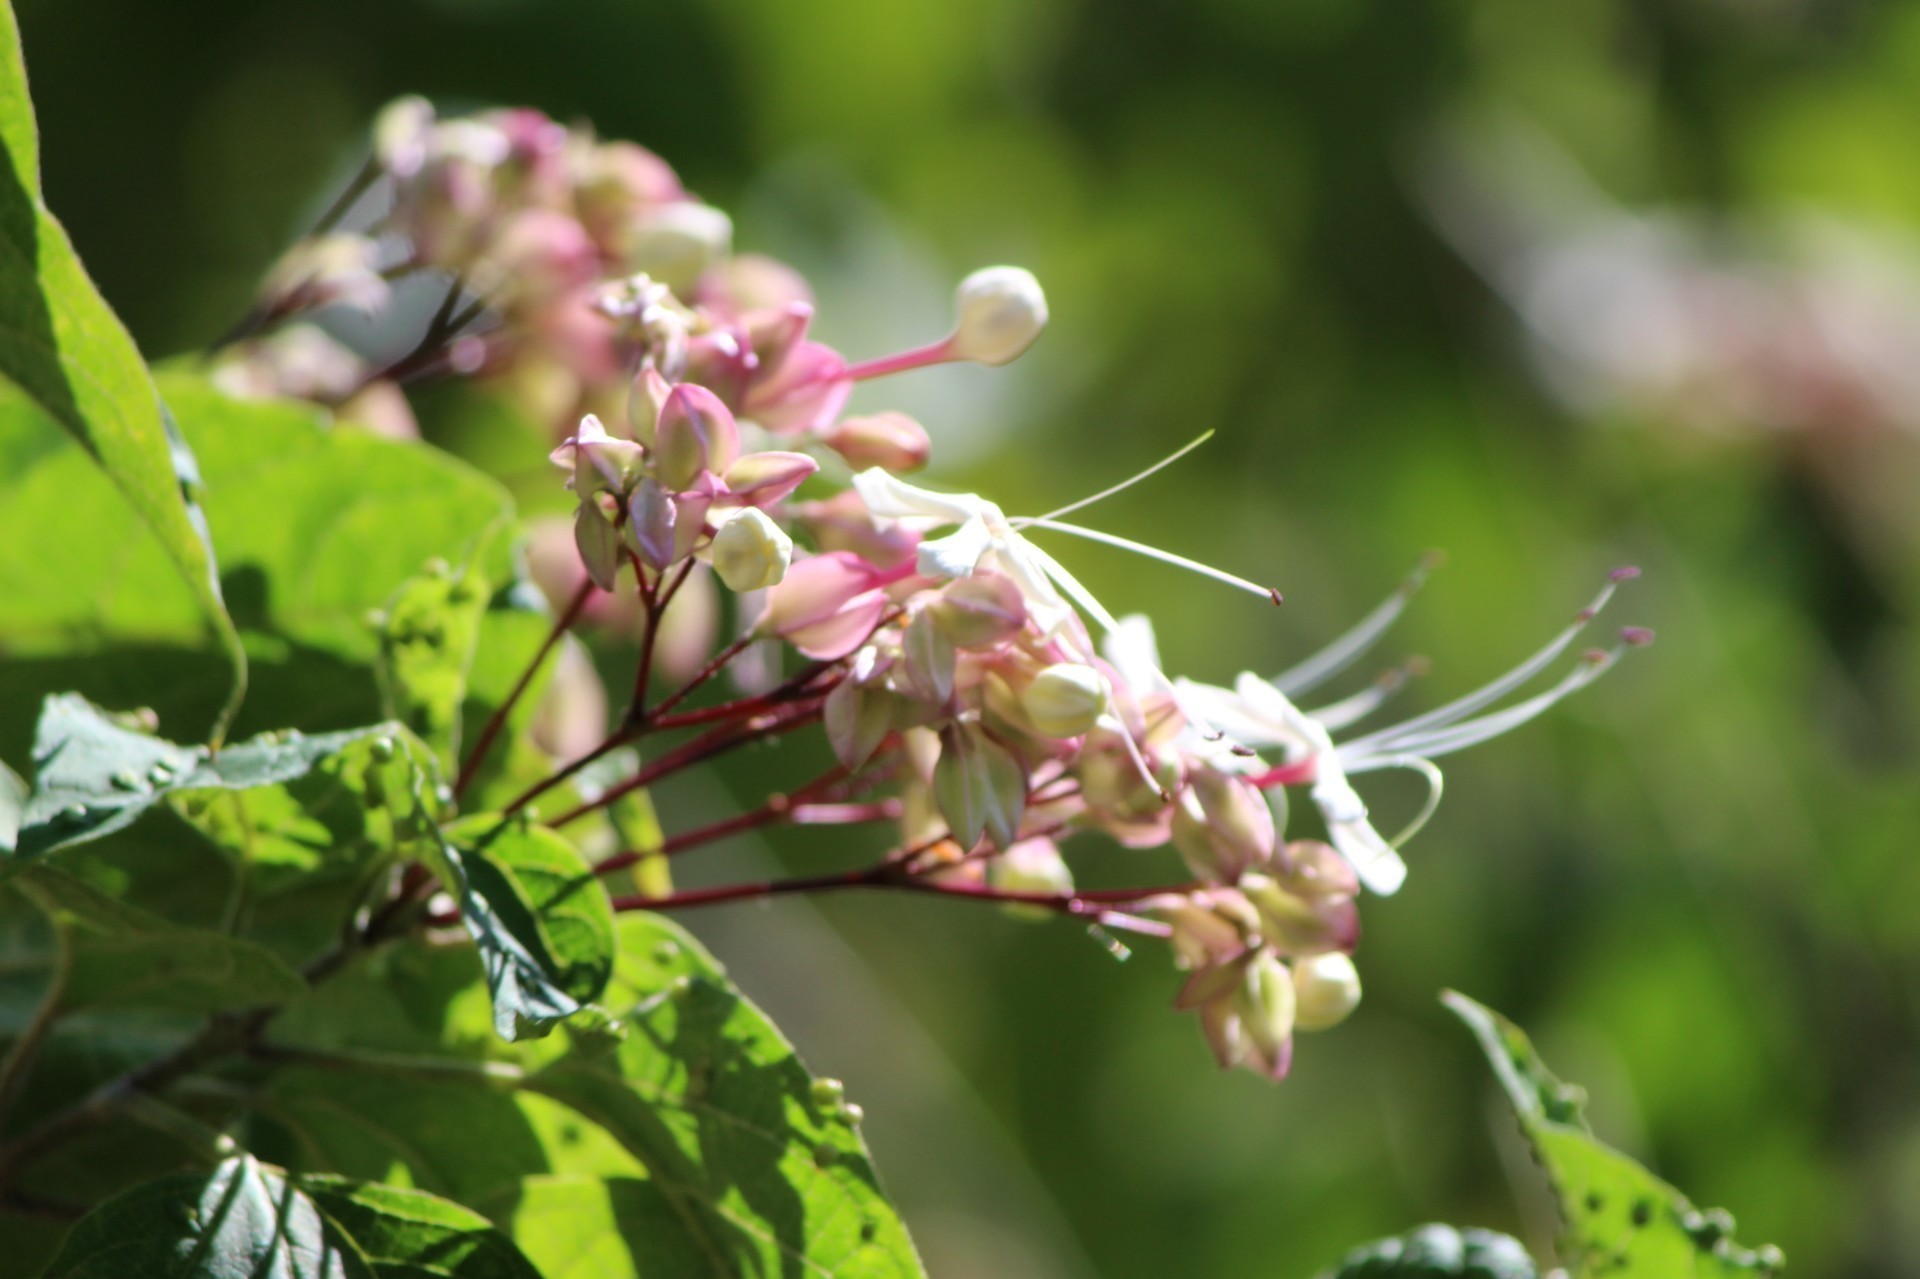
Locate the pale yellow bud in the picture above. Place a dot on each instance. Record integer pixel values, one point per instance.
(750, 552)
(1065, 699)
(1326, 989)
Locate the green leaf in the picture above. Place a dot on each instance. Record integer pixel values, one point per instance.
(13, 803)
(121, 955)
(63, 346)
(1619, 1219)
(317, 529)
(543, 922)
(409, 1234)
(94, 774)
(428, 636)
(241, 1221)
(1439, 1252)
(753, 1166)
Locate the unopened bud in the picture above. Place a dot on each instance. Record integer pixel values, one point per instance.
(696, 433)
(979, 611)
(1326, 989)
(750, 552)
(676, 242)
(980, 787)
(891, 441)
(400, 136)
(599, 543)
(1065, 700)
(644, 402)
(1031, 866)
(1266, 1007)
(1222, 826)
(1001, 311)
(761, 479)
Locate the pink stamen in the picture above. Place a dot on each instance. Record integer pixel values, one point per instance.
(1301, 770)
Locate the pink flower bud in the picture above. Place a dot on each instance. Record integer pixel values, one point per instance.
(930, 659)
(843, 523)
(805, 393)
(891, 441)
(644, 403)
(980, 611)
(761, 479)
(775, 333)
(600, 462)
(652, 517)
(696, 433)
(751, 282)
(826, 606)
(1222, 826)
(858, 715)
(1298, 924)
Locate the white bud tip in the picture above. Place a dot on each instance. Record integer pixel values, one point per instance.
(1002, 309)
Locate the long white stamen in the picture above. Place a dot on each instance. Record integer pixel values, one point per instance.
(1435, 784)
(1457, 737)
(1155, 553)
(1343, 652)
(1395, 737)
(1348, 710)
(1122, 486)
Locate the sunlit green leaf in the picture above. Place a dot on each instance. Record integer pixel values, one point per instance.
(753, 1166)
(1619, 1219)
(429, 631)
(62, 345)
(94, 774)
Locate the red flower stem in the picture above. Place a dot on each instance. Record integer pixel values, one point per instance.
(707, 672)
(705, 747)
(650, 606)
(890, 874)
(498, 720)
(802, 806)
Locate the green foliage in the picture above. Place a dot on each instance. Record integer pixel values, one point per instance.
(94, 774)
(63, 346)
(245, 1220)
(1618, 1218)
(429, 632)
(542, 920)
(1439, 1252)
(752, 1165)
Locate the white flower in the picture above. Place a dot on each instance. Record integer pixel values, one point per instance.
(1259, 714)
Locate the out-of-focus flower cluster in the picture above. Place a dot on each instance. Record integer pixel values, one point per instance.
(958, 668)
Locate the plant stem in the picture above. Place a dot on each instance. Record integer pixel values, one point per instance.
(498, 719)
(18, 1064)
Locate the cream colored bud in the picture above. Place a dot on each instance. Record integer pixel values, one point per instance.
(676, 242)
(400, 135)
(1326, 989)
(751, 552)
(1065, 700)
(1001, 311)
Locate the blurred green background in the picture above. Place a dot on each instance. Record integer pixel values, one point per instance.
(1552, 287)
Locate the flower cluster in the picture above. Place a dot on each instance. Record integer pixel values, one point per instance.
(978, 699)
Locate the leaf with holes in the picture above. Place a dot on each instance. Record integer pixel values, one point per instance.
(1619, 1220)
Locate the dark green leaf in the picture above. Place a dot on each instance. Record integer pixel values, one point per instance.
(121, 955)
(1439, 1252)
(409, 1234)
(753, 1166)
(63, 346)
(1619, 1219)
(94, 774)
(241, 1221)
(542, 920)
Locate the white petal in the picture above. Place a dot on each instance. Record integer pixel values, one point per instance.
(958, 553)
(891, 498)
